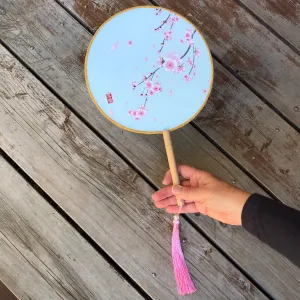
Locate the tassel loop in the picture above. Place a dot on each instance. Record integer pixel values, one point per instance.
(183, 278)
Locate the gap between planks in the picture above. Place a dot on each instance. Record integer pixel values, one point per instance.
(68, 219)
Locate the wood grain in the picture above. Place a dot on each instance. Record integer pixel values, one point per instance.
(5, 293)
(103, 194)
(94, 12)
(57, 58)
(42, 256)
(282, 16)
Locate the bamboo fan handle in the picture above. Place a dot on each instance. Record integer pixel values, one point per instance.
(172, 161)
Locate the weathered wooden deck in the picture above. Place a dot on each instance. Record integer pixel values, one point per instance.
(76, 216)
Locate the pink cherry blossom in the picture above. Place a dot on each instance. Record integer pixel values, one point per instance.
(144, 77)
(194, 74)
(188, 35)
(134, 113)
(114, 46)
(181, 41)
(176, 19)
(141, 113)
(134, 84)
(170, 64)
(204, 91)
(158, 51)
(149, 84)
(130, 42)
(168, 37)
(174, 56)
(130, 112)
(189, 61)
(156, 88)
(146, 59)
(160, 61)
(186, 78)
(142, 107)
(180, 68)
(137, 118)
(151, 93)
(170, 92)
(190, 42)
(197, 52)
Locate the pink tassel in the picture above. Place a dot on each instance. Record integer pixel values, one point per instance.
(184, 281)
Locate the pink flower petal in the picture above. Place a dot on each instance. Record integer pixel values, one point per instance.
(130, 42)
(204, 91)
(114, 46)
(146, 59)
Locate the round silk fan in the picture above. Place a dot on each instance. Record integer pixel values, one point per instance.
(149, 70)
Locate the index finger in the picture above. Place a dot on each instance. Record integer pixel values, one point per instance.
(185, 171)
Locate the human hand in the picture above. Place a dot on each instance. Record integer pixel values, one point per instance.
(204, 193)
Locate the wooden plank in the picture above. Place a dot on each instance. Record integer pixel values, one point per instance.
(103, 194)
(241, 43)
(147, 152)
(94, 12)
(5, 293)
(43, 256)
(282, 16)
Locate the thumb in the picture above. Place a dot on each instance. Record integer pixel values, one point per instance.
(188, 193)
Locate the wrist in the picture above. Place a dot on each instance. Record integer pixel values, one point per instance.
(240, 198)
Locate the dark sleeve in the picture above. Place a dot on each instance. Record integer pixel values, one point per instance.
(274, 224)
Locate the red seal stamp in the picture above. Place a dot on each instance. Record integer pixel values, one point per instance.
(109, 98)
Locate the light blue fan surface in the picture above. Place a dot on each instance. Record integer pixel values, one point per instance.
(148, 70)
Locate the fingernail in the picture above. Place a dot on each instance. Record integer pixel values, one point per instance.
(176, 189)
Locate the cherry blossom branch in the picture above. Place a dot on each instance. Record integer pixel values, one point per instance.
(163, 23)
(158, 11)
(163, 42)
(151, 74)
(192, 67)
(189, 47)
(162, 46)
